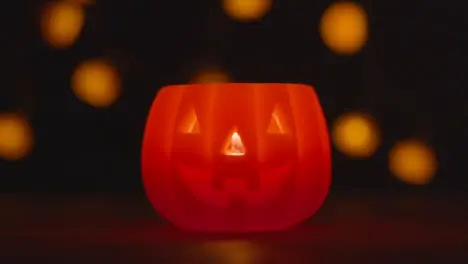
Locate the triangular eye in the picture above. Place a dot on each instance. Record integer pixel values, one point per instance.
(233, 145)
(189, 124)
(277, 122)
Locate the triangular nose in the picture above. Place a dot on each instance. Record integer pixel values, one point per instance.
(233, 145)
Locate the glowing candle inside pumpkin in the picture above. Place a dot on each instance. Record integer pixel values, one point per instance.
(234, 146)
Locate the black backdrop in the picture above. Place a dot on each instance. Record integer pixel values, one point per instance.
(411, 76)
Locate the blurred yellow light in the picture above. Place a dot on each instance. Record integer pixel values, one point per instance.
(247, 10)
(96, 82)
(16, 137)
(61, 23)
(356, 135)
(413, 161)
(344, 28)
(211, 75)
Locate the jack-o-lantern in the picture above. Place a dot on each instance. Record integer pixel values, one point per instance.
(236, 157)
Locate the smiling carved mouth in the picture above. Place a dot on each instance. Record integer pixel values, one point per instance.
(254, 188)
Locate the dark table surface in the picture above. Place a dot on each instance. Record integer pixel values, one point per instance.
(113, 228)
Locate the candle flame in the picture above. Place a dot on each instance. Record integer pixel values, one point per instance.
(234, 146)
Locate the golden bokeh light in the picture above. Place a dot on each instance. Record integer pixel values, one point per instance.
(356, 135)
(61, 23)
(344, 28)
(16, 137)
(247, 10)
(211, 75)
(413, 161)
(97, 83)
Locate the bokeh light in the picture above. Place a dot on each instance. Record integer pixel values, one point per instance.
(344, 28)
(413, 161)
(247, 10)
(356, 134)
(61, 23)
(211, 75)
(96, 82)
(16, 137)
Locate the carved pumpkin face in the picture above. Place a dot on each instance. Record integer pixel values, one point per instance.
(236, 157)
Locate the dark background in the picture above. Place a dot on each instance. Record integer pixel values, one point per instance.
(411, 76)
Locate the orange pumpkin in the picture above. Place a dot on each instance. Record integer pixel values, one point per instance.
(236, 157)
